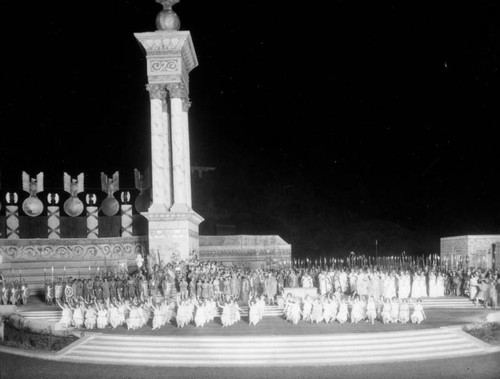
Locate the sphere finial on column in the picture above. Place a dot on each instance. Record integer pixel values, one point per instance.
(167, 19)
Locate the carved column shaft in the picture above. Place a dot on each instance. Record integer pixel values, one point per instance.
(160, 148)
(187, 157)
(178, 156)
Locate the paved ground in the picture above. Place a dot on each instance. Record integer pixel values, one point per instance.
(479, 367)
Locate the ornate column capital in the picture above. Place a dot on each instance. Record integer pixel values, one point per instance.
(157, 91)
(186, 104)
(177, 90)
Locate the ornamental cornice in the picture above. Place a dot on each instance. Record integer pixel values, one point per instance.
(173, 216)
(169, 43)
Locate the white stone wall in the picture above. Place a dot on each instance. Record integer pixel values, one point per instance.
(477, 249)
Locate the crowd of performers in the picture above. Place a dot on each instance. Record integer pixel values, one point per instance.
(196, 294)
(334, 308)
(15, 292)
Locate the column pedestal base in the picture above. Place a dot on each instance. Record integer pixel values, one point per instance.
(172, 235)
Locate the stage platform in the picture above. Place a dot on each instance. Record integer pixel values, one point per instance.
(273, 341)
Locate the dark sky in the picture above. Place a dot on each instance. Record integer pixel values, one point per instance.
(395, 102)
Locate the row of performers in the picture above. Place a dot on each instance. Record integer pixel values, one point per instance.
(334, 308)
(136, 286)
(239, 286)
(14, 293)
(136, 314)
(368, 283)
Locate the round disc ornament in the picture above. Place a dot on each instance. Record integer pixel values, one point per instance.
(110, 206)
(167, 19)
(32, 206)
(142, 202)
(73, 207)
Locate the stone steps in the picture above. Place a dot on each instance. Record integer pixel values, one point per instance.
(49, 316)
(447, 302)
(272, 350)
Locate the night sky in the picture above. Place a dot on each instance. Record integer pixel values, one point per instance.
(389, 108)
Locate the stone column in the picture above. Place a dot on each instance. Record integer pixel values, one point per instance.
(126, 220)
(177, 93)
(173, 225)
(92, 222)
(12, 221)
(54, 222)
(186, 104)
(160, 149)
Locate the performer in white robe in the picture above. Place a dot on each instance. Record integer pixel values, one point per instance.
(391, 288)
(114, 316)
(423, 286)
(90, 317)
(322, 283)
(394, 311)
(404, 285)
(254, 313)
(307, 308)
(78, 318)
(343, 312)
(102, 317)
(371, 310)
(418, 314)
(357, 310)
(415, 286)
(317, 312)
(386, 312)
(200, 318)
(67, 314)
(440, 284)
(433, 288)
(404, 312)
(473, 287)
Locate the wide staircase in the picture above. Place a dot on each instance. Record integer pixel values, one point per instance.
(289, 350)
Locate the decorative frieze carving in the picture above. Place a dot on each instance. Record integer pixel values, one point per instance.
(159, 66)
(73, 249)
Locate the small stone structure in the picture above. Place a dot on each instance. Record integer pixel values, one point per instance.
(470, 250)
(246, 251)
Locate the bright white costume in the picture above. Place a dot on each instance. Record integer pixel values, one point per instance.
(418, 314)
